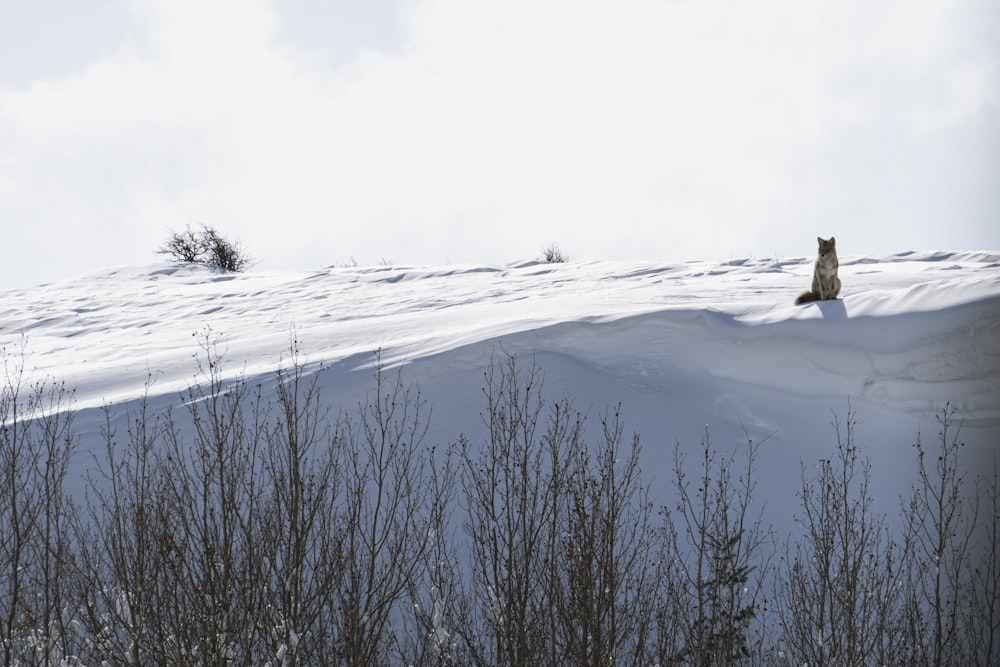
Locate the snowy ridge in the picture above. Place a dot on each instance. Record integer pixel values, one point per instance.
(908, 327)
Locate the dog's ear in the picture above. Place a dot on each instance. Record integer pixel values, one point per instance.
(819, 240)
(833, 241)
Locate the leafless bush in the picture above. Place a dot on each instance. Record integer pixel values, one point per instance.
(428, 637)
(553, 255)
(241, 532)
(209, 490)
(951, 617)
(186, 246)
(725, 552)
(389, 519)
(510, 486)
(208, 247)
(839, 596)
(563, 551)
(981, 612)
(605, 585)
(299, 563)
(124, 543)
(37, 556)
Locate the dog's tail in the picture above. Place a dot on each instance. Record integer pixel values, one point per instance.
(806, 297)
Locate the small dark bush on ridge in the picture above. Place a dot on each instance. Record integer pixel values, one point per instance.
(553, 255)
(207, 247)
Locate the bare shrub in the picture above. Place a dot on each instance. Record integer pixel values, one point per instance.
(436, 589)
(564, 564)
(951, 617)
(725, 552)
(510, 488)
(122, 554)
(209, 493)
(208, 247)
(388, 518)
(37, 554)
(604, 583)
(981, 612)
(223, 253)
(186, 246)
(243, 532)
(839, 594)
(553, 255)
(299, 558)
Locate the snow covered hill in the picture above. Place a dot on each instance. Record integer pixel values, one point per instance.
(197, 535)
(683, 347)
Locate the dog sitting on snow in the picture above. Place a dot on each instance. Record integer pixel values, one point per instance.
(826, 283)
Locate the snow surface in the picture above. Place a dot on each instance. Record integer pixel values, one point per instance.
(683, 347)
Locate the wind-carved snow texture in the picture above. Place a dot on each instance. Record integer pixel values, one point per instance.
(680, 345)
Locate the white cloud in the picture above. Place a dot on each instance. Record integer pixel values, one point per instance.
(641, 128)
(972, 91)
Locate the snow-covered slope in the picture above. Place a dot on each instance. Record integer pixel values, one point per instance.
(681, 346)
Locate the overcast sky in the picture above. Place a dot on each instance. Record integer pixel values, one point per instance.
(320, 132)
